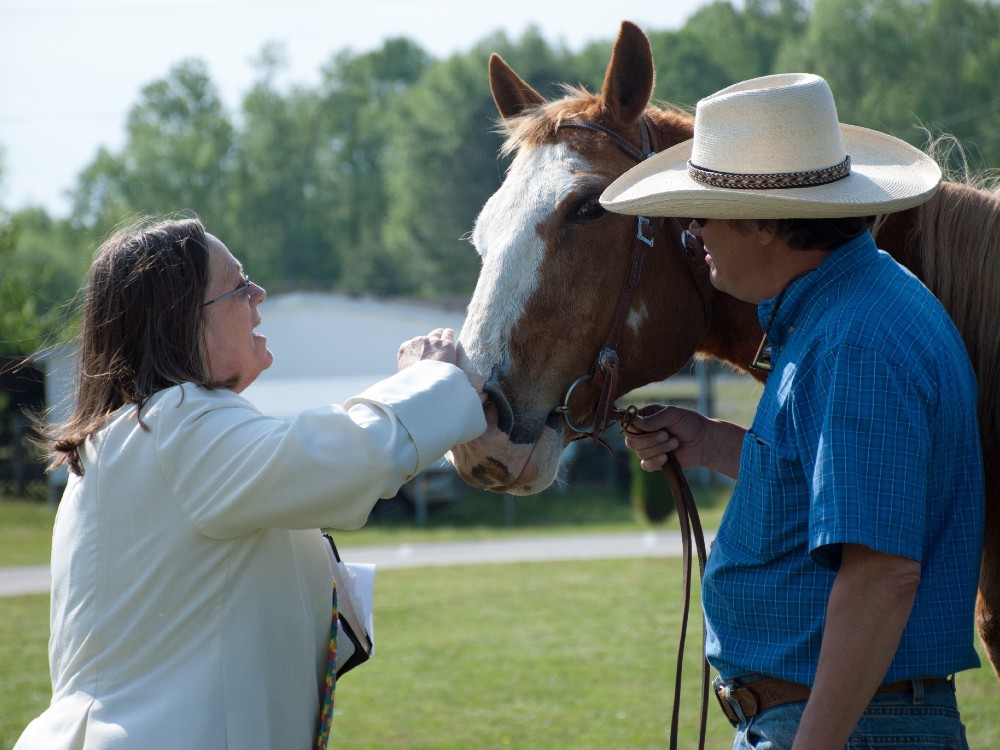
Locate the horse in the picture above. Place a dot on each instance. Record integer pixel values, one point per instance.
(553, 261)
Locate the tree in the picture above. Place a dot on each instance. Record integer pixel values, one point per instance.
(358, 97)
(42, 271)
(439, 181)
(282, 214)
(100, 199)
(720, 45)
(444, 146)
(177, 155)
(371, 181)
(958, 56)
(901, 65)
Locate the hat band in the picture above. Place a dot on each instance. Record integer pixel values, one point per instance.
(737, 181)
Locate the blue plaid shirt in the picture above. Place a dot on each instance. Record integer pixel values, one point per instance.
(866, 433)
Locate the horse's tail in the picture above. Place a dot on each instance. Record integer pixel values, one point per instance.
(958, 233)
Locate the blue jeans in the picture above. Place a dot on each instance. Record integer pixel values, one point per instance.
(924, 719)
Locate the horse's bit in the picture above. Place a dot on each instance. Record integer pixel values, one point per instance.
(605, 374)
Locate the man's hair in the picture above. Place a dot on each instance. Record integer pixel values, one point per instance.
(818, 234)
(142, 326)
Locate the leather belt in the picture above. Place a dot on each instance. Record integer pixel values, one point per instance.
(768, 692)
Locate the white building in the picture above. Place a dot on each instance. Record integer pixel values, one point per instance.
(326, 349)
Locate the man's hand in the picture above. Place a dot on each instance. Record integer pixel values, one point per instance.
(693, 438)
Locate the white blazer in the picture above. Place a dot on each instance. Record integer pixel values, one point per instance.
(190, 586)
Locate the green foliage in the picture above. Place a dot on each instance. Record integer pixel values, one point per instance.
(370, 181)
(177, 157)
(906, 65)
(361, 102)
(721, 45)
(282, 221)
(444, 166)
(40, 272)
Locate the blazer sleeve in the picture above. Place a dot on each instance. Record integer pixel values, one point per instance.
(233, 470)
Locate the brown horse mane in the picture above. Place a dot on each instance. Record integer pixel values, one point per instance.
(967, 281)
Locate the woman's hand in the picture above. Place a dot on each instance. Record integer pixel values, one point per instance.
(439, 344)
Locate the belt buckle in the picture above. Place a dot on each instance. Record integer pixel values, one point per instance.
(731, 704)
(722, 695)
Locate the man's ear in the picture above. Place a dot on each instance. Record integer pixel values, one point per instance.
(765, 232)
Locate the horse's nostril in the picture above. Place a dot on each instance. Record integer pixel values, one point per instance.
(505, 414)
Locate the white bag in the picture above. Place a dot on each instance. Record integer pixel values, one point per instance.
(355, 600)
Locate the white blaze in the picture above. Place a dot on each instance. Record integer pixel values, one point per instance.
(506, 237)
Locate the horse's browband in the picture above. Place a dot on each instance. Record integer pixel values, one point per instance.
(645, 132)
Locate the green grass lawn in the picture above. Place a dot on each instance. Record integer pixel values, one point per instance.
(26, 527)
(25, 532)
(532, 655)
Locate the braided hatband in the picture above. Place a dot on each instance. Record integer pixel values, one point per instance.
(770, 181)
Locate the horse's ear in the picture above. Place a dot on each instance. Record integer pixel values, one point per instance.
(510, 93)
(628, 83)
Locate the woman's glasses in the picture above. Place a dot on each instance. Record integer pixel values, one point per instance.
(243, 287)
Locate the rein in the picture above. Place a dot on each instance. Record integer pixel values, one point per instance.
(605, 375)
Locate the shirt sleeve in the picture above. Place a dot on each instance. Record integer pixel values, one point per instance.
(234, 470)
(869, 466)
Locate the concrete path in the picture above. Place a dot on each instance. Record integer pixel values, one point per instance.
(30, 580)
(522, 549)
(17, 581)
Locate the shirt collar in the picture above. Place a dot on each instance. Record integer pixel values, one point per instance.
(804, 293)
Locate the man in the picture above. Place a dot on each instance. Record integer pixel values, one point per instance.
(840, 590)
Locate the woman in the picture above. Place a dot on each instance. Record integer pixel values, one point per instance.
(191, 588)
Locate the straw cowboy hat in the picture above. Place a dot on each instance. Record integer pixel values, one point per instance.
(773, 148)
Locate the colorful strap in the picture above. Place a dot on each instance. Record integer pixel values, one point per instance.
(329, 684)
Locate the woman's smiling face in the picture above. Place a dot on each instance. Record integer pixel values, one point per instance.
(232, 348)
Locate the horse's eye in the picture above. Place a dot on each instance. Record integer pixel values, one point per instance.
(588, 209)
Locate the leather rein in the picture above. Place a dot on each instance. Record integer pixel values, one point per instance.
(605, 374)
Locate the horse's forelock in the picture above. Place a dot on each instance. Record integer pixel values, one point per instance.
(539, 124)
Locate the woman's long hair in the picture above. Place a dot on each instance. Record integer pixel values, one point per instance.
(142, 327)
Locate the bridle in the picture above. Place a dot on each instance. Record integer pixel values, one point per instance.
(605, 372)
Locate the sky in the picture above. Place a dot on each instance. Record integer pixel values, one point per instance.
(70, 70)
